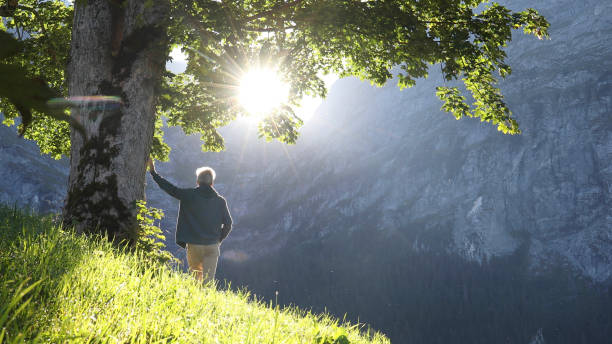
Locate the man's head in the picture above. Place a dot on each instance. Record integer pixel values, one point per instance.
(205, 176)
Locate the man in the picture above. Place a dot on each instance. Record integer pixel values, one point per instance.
(203, 222)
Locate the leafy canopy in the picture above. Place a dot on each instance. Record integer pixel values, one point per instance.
(373, 40)
(36, 67)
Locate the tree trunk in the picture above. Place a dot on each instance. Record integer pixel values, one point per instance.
(118, 49)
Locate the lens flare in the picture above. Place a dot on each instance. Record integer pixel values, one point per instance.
(91, 102)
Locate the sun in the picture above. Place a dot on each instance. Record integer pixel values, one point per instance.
(261, 90)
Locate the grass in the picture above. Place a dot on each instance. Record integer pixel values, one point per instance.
(59, 287)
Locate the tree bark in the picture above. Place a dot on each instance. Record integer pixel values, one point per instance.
(118, 49)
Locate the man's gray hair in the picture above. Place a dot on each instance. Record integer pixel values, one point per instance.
(206, 175)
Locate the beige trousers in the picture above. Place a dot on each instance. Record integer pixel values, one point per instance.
(202, 261)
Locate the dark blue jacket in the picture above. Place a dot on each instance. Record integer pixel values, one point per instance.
(204, 218)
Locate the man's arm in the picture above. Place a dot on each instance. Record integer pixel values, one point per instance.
(165, 185)
(227, 222)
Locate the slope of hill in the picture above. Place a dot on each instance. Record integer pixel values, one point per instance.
(58, 287)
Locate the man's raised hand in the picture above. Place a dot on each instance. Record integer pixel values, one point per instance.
(151, 165)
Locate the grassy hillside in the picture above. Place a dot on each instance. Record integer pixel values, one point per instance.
(56, 286)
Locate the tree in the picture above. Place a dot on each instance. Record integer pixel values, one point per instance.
(118, 48)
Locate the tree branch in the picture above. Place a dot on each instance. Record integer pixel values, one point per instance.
(270, 29)
(8, 10)
(275, 10)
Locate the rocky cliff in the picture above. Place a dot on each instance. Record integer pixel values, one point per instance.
(28, 179)
(390, 161)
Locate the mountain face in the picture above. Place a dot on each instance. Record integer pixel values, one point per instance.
(380, 179)
(27, 178)
(431, 229)
(389, 161)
